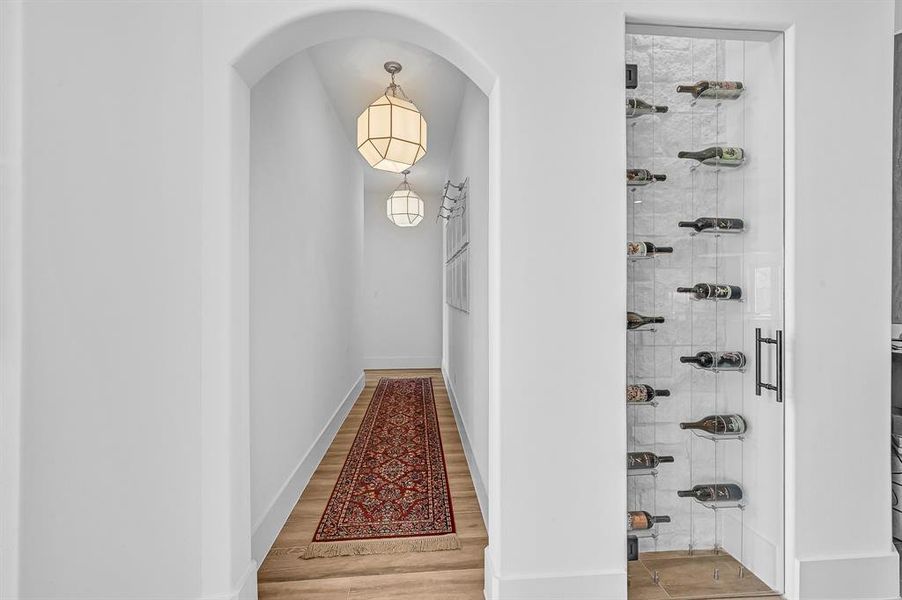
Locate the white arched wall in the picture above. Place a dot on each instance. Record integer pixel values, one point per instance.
(556, 474)
(556, 469)
(228, 567)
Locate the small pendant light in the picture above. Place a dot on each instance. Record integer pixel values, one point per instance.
(404, 208)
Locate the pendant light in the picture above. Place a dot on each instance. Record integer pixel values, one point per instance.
(391, 132)
(404, 208)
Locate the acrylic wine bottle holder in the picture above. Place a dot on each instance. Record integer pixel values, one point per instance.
(718, 437)
(641, 472)
(722, 505)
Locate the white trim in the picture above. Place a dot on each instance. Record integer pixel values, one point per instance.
(874, 577)
(402, 362)
(268, 526)
(589, 585)
(11, 315)
(245, 589)
(482, 495)
(689, 31)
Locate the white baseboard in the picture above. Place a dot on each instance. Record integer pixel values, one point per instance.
(268, 527)
(482, 495)
(245, 589)
(402, 362)
(848, 578)
(600, 585)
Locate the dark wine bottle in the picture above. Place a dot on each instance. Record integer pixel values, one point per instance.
(636, 177)
(719, 90)
(635, 320)
(712, 291)
(639, 519)
(646, 249)
(727, 156)
(718, 425)
(714, 223)
(643, 393)
(645, 460)
(720, 361)
(713, 492)
(636, 108)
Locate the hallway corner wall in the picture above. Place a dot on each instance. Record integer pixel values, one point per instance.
(402, 288)
(306, 263)
(465, 361)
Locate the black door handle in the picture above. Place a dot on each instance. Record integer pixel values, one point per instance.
(778, 342)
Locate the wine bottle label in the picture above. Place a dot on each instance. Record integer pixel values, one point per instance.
(729, 224)
(732, 359)
(721, 89)
(639, 460)
(637, 520)
(636, 249)
(731, 153)
(722, 292)
(735, 424)
(636, 393)
(638, 176)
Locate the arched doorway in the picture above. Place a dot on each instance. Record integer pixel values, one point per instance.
(228, 566)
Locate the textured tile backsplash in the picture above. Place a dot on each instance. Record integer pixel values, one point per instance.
(653, 213)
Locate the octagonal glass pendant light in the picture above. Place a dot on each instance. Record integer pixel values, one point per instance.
(391, 132)
(404, 208)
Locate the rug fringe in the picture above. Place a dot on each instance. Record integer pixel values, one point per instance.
(386, 546)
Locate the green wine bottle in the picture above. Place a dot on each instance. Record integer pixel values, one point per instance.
(636, 177)
(715, 90)
(636, 108)
(726, 156)
(712, 291)
(635, 320)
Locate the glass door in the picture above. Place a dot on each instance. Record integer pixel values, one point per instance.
(705, 289)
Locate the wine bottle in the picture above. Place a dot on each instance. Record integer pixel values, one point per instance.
(646, 249)
(725, 90)
(635, 320)
(727, 156)
(645, 460)
(715, 223)
(712, 291)
(713, 492)
(643, 393)
(636, 108)
(721, 361)
(718, 425)
(635, 177)
(639, 519)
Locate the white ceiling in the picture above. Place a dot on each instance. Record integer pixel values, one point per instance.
(352, 73)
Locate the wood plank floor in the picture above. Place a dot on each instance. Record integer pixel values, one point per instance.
(447, 575)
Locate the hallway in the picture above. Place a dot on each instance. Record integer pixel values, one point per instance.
(445, 575)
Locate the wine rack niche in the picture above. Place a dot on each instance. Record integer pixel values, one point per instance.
(666, 193)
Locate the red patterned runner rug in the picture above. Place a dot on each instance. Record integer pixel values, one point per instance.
(392, 494)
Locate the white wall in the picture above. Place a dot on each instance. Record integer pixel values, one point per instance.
(110, 489)
(466, 334)
(556, 292)
(116, 254)
(306, 249)
(402, 282)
